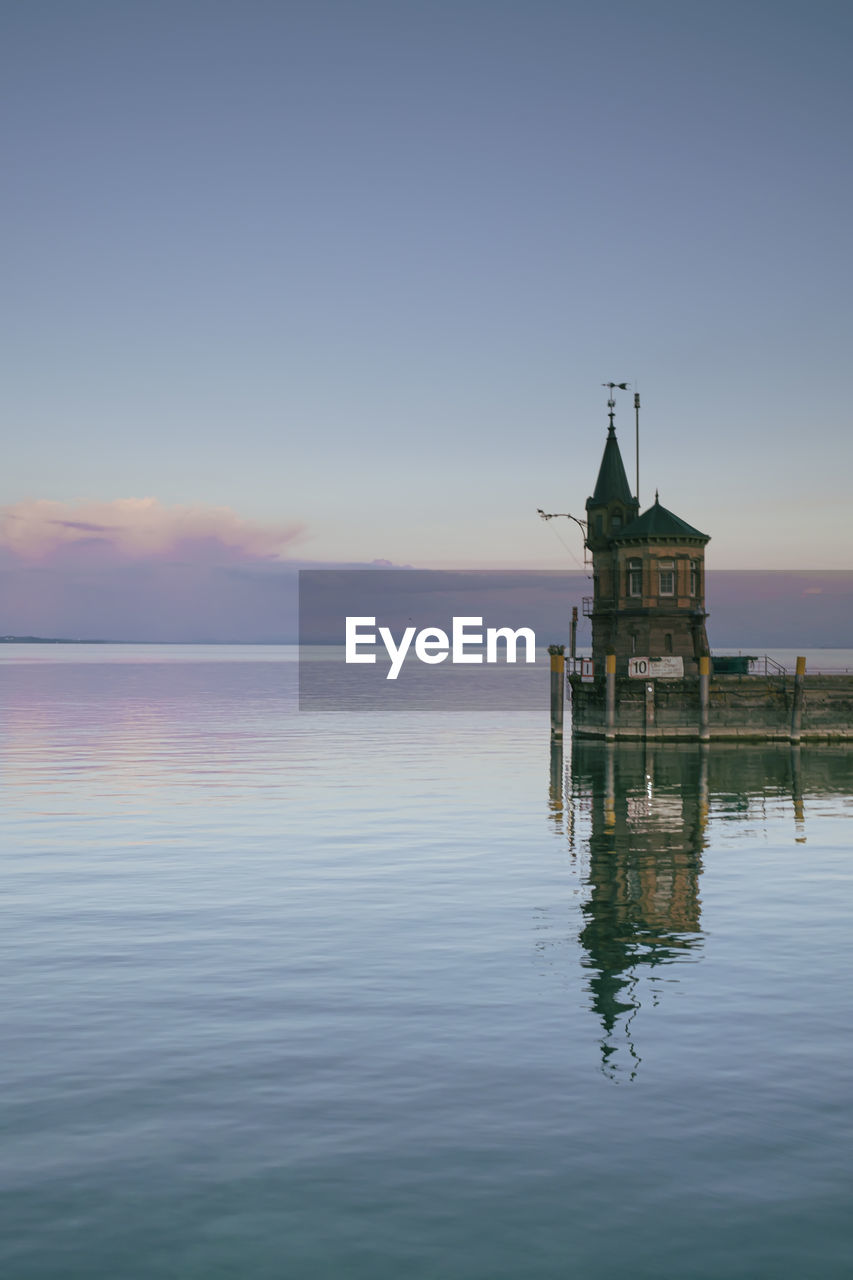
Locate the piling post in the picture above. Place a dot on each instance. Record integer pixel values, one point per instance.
(797, 709)
(610, 697)
(704, 699)
(558, 683)
(649, 707)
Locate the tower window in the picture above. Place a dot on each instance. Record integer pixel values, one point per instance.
(666, 577)
(616, 522)
(694, 577)
(635, 577)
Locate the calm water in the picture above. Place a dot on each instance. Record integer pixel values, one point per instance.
(401, 995)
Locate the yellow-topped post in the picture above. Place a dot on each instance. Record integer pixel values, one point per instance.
(558, 682)
(704, 698)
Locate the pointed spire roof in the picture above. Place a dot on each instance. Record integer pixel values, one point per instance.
(658, 522)
(612, 483)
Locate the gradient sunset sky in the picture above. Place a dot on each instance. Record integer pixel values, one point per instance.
(341, 281)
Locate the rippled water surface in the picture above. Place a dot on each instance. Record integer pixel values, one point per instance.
(404, 995)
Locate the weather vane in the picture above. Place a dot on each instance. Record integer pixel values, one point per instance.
(611, 403)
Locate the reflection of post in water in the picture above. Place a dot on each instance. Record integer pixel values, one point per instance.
(648, 806)
(555, 787)
(704, 798)
(797, 793)
(609, 786)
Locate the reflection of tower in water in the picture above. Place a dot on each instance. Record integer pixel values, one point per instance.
(647, 807)
(635, 817)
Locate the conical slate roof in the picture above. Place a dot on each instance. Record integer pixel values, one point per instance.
(658, 522)
(612, 483)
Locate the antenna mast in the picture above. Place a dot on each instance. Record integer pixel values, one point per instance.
(637, 441)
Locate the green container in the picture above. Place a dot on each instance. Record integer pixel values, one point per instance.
(728, 665)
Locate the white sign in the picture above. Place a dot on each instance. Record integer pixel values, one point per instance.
(670, 668)
(587, 676)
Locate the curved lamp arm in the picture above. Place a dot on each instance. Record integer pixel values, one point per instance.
(566, 515)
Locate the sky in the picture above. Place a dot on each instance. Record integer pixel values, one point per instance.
(330, 283)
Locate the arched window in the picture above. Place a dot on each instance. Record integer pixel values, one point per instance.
(667, 642)
(616, 522)
(633, 642)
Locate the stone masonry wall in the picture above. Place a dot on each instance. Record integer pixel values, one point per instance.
(758, 706)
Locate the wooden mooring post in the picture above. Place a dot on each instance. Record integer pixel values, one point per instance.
(610, 696)
(649, 707)
(704, 699)
(558, 688)
(797, 709)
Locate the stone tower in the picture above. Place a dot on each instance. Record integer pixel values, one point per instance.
(648, 574)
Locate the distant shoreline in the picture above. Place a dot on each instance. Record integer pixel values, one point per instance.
(53, 640)
(67, 640)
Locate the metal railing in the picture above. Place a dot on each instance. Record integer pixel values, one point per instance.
(771, 666)
(762, 665)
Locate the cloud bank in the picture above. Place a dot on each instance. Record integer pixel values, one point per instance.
(138, 529)
(135, 569)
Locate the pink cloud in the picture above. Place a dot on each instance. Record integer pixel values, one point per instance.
(138, 529)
